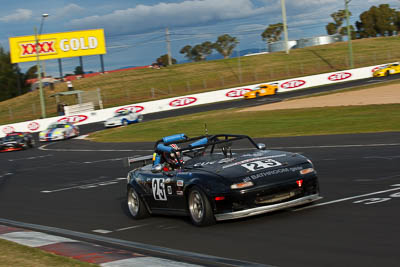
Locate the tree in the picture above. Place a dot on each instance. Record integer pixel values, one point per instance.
(78, 70)
(272, 33)
(203, 50)
(12, 82)
(225, 45)
(163, 60)
(31, 73)
(198, 52)
(337, 26)
(378, 21)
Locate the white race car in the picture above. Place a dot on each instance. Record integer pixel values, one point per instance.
(123, 117)
(59, 131)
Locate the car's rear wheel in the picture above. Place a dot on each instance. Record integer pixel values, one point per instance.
(32, 143)
(140, 118)
(200, 209)
(136, 206)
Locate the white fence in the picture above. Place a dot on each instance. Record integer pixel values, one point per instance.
(79, 108)
(192, 100)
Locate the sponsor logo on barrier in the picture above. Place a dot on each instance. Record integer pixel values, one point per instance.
(183, 101)
(293, 84)
(33, 126)
(238, 92)
(377, 68)
(339, 76)
(44, 47)
(136, 109)
(74, 118)
(8, 129)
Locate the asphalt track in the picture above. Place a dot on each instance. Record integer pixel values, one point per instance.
(80, 186)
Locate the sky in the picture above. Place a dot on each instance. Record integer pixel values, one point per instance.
(135, 29)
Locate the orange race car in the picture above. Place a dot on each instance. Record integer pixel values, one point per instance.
(262, 90)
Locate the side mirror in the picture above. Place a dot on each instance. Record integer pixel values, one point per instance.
(261, 146)
(156, 168)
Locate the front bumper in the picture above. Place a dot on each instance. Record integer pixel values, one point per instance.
(8, 149)
(265, 209)
(112, 124)
(378, 74)
(53, 138)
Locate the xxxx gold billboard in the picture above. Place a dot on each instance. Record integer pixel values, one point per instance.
(57, 45)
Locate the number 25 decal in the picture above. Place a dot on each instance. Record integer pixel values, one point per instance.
(261, 164)
(158, 189)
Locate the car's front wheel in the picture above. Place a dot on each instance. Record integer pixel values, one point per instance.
(200, 209)
(136, 206)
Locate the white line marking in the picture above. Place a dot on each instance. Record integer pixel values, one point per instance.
(6, 174)
(38, 157)
(350, 198)
(102, 160)
(150, 150)
(92, 150)
(34, 239)
(81, 137)
(339, 146)
(131, 227)
(85, 186)
(101, 231)
(147, 261)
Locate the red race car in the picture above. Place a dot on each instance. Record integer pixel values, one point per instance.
(16, 141)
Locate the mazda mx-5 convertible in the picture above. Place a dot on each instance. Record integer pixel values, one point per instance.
(218, 177)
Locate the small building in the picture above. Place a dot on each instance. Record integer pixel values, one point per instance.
(305, 42)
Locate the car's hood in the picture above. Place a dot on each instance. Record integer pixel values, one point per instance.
(52, 131)
(114, 119)
(260, 166)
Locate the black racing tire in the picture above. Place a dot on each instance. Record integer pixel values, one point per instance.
(257, 95)
(387, 73)
(199, 206)
(31, 143)
(137, 208)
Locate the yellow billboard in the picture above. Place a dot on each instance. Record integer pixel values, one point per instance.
(57, 45)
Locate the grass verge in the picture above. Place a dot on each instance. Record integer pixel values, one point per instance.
(296, 122)
(13, 254)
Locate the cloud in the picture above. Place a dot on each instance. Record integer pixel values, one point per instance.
(69, 10)
(19, 15)
(188, 13)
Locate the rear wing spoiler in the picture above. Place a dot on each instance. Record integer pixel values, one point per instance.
(138, 161)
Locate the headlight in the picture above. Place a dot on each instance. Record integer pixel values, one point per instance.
(242, 185)
(57, 132)
(42, 134)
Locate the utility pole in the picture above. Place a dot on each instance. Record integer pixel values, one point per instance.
(168, 47)
(285, 26)
(346, 4)
(39, 71)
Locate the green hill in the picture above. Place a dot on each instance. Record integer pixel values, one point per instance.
(133, 86)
